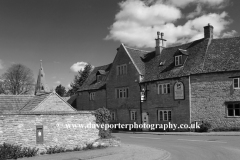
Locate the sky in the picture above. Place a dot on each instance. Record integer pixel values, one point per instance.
(67, 34)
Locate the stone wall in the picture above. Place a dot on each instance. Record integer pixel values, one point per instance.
(84, 103)
(209, 94)
(21, 129)
(123, 106)
(180, 108)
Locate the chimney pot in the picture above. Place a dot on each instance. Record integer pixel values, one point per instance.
(159, 43)
(208, 31)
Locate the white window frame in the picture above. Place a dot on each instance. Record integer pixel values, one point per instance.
(238, 87)
(234, 108)
(92, 96)
(163, 115)
(113, 116)
(122, 69)
(178, 60)
(164, 88)
(133, 115)
(122, 92)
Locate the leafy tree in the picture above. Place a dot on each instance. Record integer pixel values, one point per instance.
(18, 79)
(79, 79)
(60, 90)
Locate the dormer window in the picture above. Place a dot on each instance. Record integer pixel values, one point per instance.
(178, 60)
(99, 78)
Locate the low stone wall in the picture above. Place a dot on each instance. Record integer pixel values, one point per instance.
(60, 128)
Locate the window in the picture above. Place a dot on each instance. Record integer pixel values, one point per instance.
(113, 116)
(39, 134)
(122, 69)
(236, 83)
(92, 96)
(133, 115)
(178, 60)
(164, 88)
(99, 78)
(164, 115)
(121, 92)
(233, 110)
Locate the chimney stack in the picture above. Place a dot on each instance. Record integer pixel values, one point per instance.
(208, 31)
(159, 43)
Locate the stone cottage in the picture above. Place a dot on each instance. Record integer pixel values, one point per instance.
(116, 86)
(197, 81)
(44, 120)
(181, 84)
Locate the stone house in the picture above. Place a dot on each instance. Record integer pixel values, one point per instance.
(92, 94)
(197, 81)
(181, 84)
(44, 120)
(115, 86)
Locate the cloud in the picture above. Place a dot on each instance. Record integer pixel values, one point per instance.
(232, 33)
(68, 86)
(58, 82)
(184, 3)
(198, 11)
(78, 66)
(1, 64)
(54, 77)
(137, 22)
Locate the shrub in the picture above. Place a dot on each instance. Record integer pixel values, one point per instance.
(205, 126)
(14, 151)
(77, 148)
(55, 149)
(219, 129)
(89, 146)
(103, 116)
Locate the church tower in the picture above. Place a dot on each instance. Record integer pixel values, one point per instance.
(41, 86)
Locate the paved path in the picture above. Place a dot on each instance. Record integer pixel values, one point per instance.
(185, 147)
(124, 152)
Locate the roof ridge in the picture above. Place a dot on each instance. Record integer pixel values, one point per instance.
(179, 45)
(102, 66)
(226, 38)
(137, 49)
(18, 95)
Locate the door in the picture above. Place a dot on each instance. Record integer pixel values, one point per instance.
(145, 120)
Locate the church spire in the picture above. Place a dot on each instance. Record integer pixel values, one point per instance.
(41, 83)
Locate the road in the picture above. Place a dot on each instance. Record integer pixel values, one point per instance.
(188, 147)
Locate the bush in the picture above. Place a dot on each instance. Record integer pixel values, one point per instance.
(13, 151)
(55, 149)
(89, 146)
(103, 116)
(219, 129)
(204, 127)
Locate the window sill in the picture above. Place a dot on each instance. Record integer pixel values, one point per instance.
(232, 116)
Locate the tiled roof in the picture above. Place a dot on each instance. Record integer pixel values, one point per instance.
(220, 55)
(13, 102)
(66, 98)
(35, 101)
(72, 100)
(91, 82)
(137, 56)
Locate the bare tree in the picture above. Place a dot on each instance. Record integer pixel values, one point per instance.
(18, 79)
